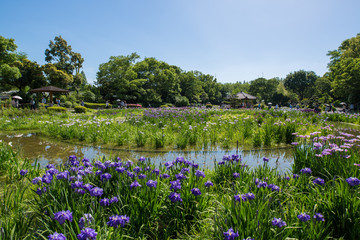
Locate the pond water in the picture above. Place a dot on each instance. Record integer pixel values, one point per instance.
(45, 150)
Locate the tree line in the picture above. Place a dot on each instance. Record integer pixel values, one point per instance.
(153, 82)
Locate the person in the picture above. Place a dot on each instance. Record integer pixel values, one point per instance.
(58, 101)
(82, 103)
(276, 106)
(107, 104)
(32, 104)
(259, 106)
(43, 100)
(13, 102)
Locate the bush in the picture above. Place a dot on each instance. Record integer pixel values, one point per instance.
(80, 109)
(96, 105)
(181, 101)
(89, 96)
(68, 104)
(57, 109)
(164, 106)
(209, 105)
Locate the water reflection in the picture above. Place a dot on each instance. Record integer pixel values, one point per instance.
(33, 146)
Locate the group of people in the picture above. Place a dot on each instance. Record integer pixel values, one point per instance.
(57, 101)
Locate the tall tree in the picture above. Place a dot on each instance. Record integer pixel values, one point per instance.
(344, 69)
(9, 61)
(31, 75)
(263, 88)
(118, 78)
(301, 83)
(63, 59)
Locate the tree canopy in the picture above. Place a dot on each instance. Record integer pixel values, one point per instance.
(345, 70)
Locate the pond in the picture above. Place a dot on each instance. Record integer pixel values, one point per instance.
(45, 150)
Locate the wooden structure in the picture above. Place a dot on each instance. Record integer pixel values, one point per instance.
(242, 97)
(50, 90)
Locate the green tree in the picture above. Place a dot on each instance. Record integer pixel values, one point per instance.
(191, 87)
(117, 79)
(264, 89)
(31, 75)
(9, 61)
(301, 82)
(57, 77)
(344, 69)
(62, 58)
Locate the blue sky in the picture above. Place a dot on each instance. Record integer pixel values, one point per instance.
(235, 40)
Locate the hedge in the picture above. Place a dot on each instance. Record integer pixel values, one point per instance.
(57, 109)
(96, 105)
(80, 109)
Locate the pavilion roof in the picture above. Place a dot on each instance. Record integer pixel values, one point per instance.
(50, 89)
(242, 95)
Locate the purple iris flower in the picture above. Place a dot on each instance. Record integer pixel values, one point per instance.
(179, 159)
(62, 175)
(87, 234)
(120, 169)
(62, 216)
(77, 184)
(353, 181)
(23, 172)
(57, 236)
(114, 200)
(304, 217)
(319, 181)
(130, 174)
(296, 176)
(47, 178)
(134, 185)
(116, 220)
(208, 184)
(50, 166)
(319, 217)
(306, 171)
(105, 177)
(226, 158)
(262, 184)
(156, 171)
(80, 191)
(180, 176)
(40, 191)
(195, 165)
(236, 175)
(278, 222)
(142, 176)
(175, 197)
(250, 196)
(104, 202)
(165, 175)
(230, 234)
(86, 219)
(52, 171)
(175, 185)
(196, 191)
(184, 170)
(96, 192)
(265, 159)
(137, 169)
(87, 186)
(199, 173)
(142, 159)
(151, 183)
